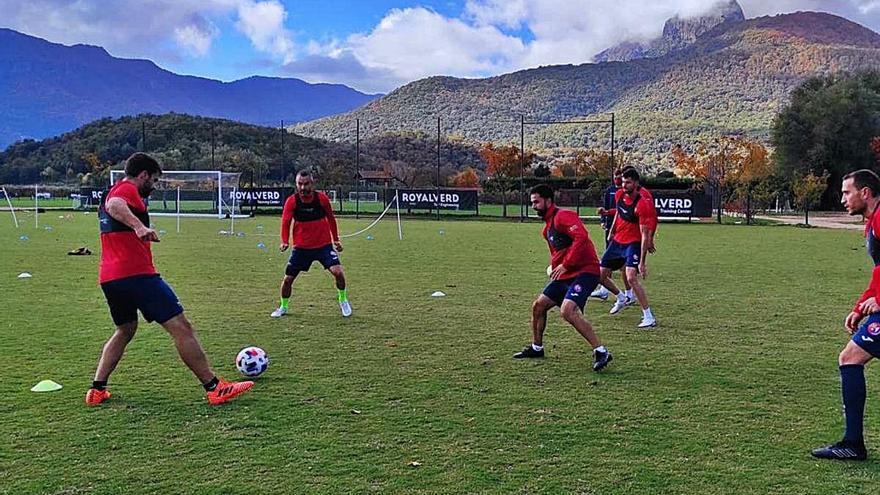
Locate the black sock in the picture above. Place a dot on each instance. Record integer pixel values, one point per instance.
(99, 384)
(852, 380)
(211, 385)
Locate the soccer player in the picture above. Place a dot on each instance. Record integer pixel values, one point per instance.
(315, 238)
(130, 283)
(632, 238)
(607, 220)
(575, 273)
(860, 196)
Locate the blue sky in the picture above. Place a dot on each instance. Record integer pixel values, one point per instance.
(371, 45)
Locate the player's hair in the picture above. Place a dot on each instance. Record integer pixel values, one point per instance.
(631, 173)
(543, 190)
(865, 178)
(139, 162)
(305, 173)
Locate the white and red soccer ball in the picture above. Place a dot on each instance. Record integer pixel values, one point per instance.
(252, 361)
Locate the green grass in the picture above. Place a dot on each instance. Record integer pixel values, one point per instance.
(42, 203)
(726, 397)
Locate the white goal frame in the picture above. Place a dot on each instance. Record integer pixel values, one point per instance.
(363, 195)
(215, 175)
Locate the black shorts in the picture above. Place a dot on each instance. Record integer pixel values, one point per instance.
(577, 289)
(302, 259)
(619, 255)
(148, 293)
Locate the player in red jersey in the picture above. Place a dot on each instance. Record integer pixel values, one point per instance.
(860, 195)
(130, 283)
(574, 275)
(632, 239)
(315, 238)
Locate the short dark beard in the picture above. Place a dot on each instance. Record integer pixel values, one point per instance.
(540, 213)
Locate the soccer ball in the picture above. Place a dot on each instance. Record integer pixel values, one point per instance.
(252, 361)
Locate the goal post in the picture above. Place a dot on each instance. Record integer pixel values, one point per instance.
(365, 196)
(193, 193)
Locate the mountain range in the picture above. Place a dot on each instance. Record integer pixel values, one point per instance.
(48, 88)
(731, 79)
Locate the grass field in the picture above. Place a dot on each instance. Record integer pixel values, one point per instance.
(727, 396)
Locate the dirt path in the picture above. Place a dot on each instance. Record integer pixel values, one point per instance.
(825, 220)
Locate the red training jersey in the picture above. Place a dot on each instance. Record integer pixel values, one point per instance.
(123, 253)
(314, 225)
(569, 243)
(625, 231)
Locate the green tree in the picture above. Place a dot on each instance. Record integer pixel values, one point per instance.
(829, 125)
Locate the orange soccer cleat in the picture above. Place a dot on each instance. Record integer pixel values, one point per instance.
(226, 391)
(94, 396)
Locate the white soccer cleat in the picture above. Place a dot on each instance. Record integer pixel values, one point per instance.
(618, 306)
(600, 293)
(631, 300)
(346, 308)
(278, 313)
(648, 322)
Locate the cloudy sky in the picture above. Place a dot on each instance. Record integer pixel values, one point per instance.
(371, 45)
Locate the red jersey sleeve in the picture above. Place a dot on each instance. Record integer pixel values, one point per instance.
(647, 212)
(287, 218)
(331, 218)
(873, 289)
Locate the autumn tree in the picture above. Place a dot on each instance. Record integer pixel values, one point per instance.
(808, 190)
(727, 163)
(466, 178)
(98, 172)
(503, 163)
(505, 160)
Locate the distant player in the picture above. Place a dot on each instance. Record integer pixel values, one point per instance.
(632, 238)
(315, 238)
(860, 196)
(607, 221)
(130, 283)
(575, 273)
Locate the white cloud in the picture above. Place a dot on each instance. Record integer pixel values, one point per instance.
(263, 24)
(505, 13)
(195, 39)
(409, 44)
(418, 42)
(145, 28)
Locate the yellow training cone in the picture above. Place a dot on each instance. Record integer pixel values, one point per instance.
(46, 386)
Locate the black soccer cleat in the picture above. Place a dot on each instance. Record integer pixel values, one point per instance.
(529, 352)
(842, 451)
(601, 360)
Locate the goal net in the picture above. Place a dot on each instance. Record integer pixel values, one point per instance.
(364, 196)
(208, 193)
(396, 204)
